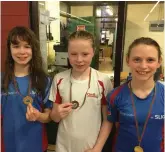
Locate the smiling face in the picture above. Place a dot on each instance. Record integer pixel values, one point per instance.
(143, 61)
(21, 52)
(80, 53)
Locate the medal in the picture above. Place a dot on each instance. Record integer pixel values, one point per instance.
(140, 137)
(138, 149)
(75, 104)
(27, 100)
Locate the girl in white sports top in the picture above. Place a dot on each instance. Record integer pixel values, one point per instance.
(78, 97)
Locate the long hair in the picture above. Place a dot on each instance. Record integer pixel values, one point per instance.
(37, 74)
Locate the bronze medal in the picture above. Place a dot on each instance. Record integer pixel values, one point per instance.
(27, 100)
(75, 104)
(138, 149)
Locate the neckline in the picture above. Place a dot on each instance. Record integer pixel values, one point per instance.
(78, 81)
(142, 99)
(22, 77)
(87, 78)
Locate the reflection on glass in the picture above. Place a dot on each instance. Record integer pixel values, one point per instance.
(107, 30)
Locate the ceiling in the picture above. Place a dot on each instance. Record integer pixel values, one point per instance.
(88, 3)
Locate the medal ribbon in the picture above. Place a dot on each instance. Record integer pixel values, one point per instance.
(135, 116)
(89, 81)
(17, 87)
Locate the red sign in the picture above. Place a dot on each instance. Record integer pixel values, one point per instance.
(80, 27)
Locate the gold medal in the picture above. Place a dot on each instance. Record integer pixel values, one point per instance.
(27, 100)
(138, 149)
(140, 136)
(75, 104)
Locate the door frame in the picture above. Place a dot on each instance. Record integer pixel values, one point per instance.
(120, 37)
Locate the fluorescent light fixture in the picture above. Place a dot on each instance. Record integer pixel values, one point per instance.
(154, 6)
(146, 17)
(42, 4)
(109, 12)
(151, 10)
(116, 19)
(98, 12)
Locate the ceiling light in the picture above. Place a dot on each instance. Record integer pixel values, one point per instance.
(154, 6)
(116, 19)
(98, 12)
(42, 4)
(151, 10)
(146, 17)
(110, 12)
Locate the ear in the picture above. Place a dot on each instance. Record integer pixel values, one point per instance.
(159, 62)
(93, 51)
(127, 60)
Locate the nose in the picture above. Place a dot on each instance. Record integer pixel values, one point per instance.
(79, 58)
(143, 65)
(22, 50)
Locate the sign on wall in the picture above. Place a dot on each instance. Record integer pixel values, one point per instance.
(80, 27)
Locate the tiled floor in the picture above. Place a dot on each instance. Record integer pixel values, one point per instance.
(51, 148)
(105, 64)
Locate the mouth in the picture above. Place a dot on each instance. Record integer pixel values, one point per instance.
(142, 72)
(79, 65)
(22, 58)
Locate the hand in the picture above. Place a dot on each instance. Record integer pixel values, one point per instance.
(32, 113)
(92, 150)
(64, 109)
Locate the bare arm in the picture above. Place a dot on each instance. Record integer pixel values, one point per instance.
(45, 116)
(33, 114)
(104, 131)
(54, 114)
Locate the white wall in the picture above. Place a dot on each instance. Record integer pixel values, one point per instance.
(136, 26)
(63, 7)
(54, 8)
(82, 11)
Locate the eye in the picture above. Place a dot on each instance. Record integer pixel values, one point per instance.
(136, 59)
(27, 46)
(73, 54)
(85, 54)
(15, 46)
(150, 60)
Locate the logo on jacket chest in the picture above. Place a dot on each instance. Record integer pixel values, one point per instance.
(158, 117)
(93, 95)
